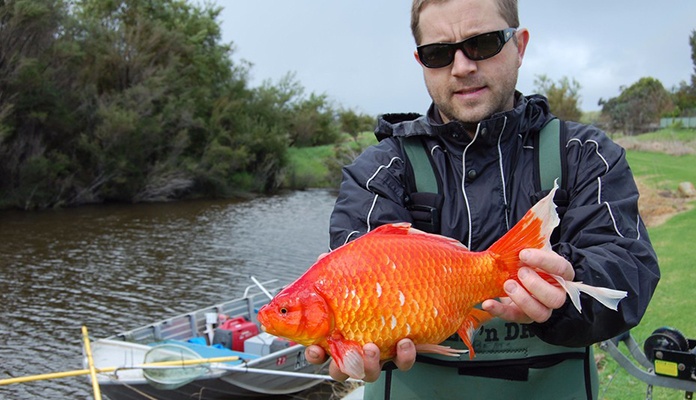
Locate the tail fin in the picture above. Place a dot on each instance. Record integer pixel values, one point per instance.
(534, 231)
(610, 298)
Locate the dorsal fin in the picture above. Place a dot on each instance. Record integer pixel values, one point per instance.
(405, 228)
(399, 228)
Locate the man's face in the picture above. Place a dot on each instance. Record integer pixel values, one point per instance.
(470, 91)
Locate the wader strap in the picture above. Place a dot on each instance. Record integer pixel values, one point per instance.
(423, 188)
(425, 180)
(549, 155)
(551, 164)
(425, 211)
(388, 367)
(387, 385)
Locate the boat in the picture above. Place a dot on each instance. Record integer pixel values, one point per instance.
(218, 352)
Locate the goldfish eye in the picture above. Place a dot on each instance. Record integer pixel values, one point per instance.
(283, 310)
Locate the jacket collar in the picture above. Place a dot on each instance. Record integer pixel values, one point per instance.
(529, 114)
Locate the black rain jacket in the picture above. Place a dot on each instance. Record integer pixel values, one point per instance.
(488, 186)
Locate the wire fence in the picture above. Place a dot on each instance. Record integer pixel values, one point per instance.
(684, 122)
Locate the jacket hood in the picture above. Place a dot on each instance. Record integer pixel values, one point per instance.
(530, 114)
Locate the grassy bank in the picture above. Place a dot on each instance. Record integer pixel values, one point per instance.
(320, 167)
(309, 167)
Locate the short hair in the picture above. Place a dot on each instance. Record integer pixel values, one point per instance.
(507, 8)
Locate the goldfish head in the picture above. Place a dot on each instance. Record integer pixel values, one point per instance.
(301, 316)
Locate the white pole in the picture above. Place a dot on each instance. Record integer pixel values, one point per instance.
(279, 373)
(256, 281)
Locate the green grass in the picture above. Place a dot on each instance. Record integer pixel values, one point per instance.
(674, 302)
(662, 171)
(316, 167)
(309, 166)
(669, 134)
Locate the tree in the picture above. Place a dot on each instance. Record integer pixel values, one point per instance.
(35, 110)
(306, 121)
(563, 96)
(685, 95)
(353, 123)
(108, 100)
(684, 99)
(692, 42)
(638, 108)
(157, 68)
(312, 122)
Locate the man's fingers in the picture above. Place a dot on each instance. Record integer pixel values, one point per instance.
(551, 296)
(548, 261)
(526, 302)
(336, 373)
(535, 298)
(372, 365)
(404, 360)
(315, 355)
(405, 354)
(506, 310)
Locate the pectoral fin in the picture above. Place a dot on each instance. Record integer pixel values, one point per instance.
(348, 355)
(473, 321)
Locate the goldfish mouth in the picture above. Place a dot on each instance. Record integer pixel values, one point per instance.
(261, 316)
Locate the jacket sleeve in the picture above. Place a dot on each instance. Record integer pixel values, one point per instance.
(604, 238)
(371, 193)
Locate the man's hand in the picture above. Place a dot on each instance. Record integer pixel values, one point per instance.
(535, 299)
(404, 360)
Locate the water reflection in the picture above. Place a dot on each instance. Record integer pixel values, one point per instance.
(121, 266)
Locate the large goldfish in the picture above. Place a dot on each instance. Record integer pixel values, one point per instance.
(398, 282)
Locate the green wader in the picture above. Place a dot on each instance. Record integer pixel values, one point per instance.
(510, 363)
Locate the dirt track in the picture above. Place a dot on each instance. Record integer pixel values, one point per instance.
(657, 207)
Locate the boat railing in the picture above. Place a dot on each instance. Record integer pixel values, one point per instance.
(185, 326)
(259, 285)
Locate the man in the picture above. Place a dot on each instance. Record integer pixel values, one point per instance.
(480, 133)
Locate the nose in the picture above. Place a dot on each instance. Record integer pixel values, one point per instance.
(462, 65)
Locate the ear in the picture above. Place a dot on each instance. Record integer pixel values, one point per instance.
(522, 41)
(415, 54)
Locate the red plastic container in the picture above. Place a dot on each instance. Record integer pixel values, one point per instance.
(241, 331)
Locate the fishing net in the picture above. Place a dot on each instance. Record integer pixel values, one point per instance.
(172, 375)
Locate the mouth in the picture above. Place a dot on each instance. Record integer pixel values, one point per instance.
(470, 91)
(261, 316)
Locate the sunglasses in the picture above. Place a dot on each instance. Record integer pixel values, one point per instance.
(476, 48)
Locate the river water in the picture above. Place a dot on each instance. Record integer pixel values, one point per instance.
(117, 267)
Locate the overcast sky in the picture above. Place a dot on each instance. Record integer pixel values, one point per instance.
(360, 52)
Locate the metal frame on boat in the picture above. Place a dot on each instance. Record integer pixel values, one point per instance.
(267, 370)
(681, 374)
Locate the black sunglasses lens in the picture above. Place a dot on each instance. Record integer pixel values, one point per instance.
(436, 55)
(482, 46)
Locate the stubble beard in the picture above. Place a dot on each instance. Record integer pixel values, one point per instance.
(470, 115)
